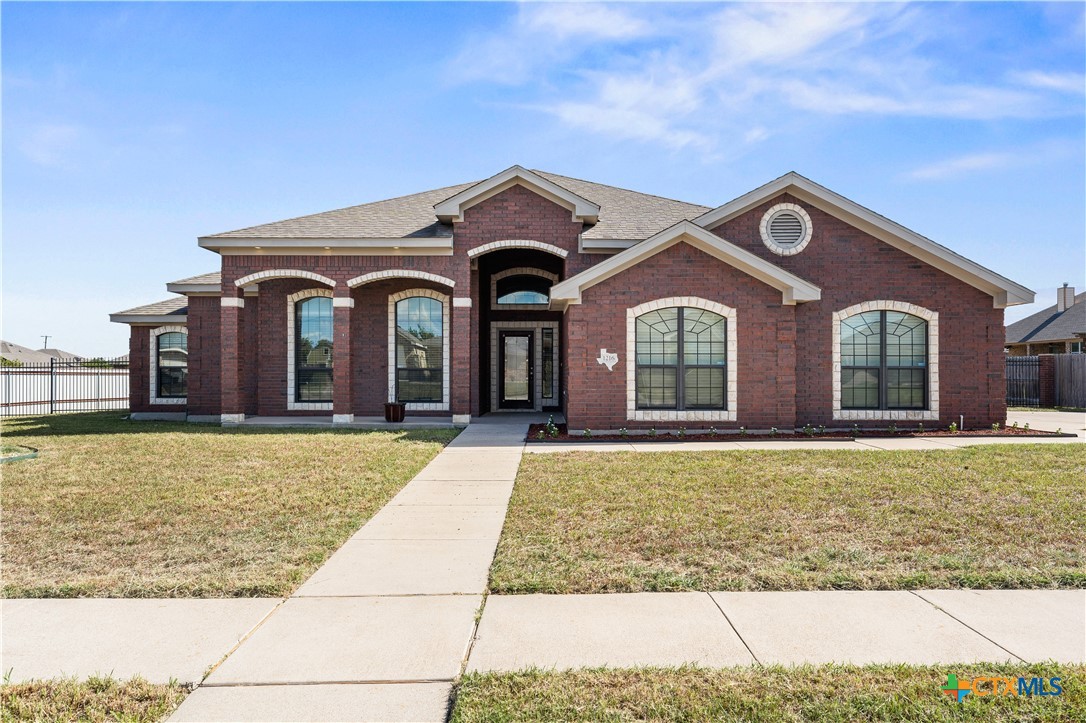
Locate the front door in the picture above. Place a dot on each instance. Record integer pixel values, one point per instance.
(516, 379)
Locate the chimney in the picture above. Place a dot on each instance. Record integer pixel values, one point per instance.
(1065, 297)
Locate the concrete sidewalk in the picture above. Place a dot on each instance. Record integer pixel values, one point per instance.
(788, 628)
(381, 631)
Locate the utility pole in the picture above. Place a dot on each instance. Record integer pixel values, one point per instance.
(46, 338)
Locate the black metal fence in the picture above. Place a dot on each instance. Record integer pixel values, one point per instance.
(1023, 381)
(89, 385)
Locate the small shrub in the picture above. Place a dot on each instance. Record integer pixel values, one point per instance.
(892, 428)
(953, 428)
(712, 431)
(920, 428)
(682, 431)
(808, 430)
(772, 431)
(742, 431)
(1026, 428)
(587, 432)
(652, 432)
(855, 430)
(995, 427)
(822, 429)
(541, 434)
(1014, 426)
(623, 432)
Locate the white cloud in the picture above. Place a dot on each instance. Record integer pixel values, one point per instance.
(565, 20)
(1063, 82)
(963, 165)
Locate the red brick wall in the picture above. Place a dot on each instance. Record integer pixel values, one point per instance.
(139, 374)
(597, 397)
(204, 369)
(851, 267)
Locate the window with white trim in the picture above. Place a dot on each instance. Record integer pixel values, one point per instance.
(681, 358)
(172, 365)
(313, 349)
(420, 345)
(884, 361)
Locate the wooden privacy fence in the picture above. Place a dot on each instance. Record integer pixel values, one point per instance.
(64, 386)
(1070, 380)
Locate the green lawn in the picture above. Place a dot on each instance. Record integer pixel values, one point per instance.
(113, 508)
(96, 699)
(998, 516)
(823, 693)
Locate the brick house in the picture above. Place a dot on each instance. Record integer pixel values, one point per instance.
(1059, 329)
(531, 291)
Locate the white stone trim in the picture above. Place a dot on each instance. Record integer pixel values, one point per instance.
(232, 301)
(805, 219)
(342, 418)
(537, 353)
(451, 210)
(292, 404)
(517, 244)
(230, 419)
(932, 317)
(446, 357)
(342, 302)
(283, 274)
(518, 271)
(793, 289)
(155, 333)
(693, 415)
(462, 302)
(399, 274)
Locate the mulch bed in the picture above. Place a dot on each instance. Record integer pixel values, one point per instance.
(671, 436)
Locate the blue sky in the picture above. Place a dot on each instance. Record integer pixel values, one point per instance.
(131, 129)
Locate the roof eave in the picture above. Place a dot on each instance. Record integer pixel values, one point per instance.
(139, 319)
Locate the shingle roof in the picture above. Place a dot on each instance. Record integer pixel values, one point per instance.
(177, 306)
(60, 354)
(624, 214)
(22, 354)
(1050, 325)
(211, 277)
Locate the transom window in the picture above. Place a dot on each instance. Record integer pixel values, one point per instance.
(681, 359)
(419, 350)
(173, 365)
(884, 361)
(313, 349)
(523, 289)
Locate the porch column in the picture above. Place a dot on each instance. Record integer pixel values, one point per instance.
(232, 401)
(460, 364)
(342, 377)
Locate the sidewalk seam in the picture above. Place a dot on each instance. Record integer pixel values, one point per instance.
(967, 625)
(734, 629)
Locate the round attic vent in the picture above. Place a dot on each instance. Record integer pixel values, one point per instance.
(786, 229)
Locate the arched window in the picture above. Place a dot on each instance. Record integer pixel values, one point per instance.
(884, 361)
(681, 359)
(420, 350)
(313, 349)
(172, 365)
(523, 289)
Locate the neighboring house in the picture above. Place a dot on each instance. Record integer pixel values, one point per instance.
(1059, 329)
(61, 355)
(786, 306)
(22, 355)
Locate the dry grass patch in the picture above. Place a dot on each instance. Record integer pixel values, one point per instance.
(96, 699)
(113, 508)
(822, 693)
(999, 516)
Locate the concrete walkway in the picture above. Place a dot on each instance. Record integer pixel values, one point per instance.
(381, 631)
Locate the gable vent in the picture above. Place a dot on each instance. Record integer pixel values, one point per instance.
(786, 229)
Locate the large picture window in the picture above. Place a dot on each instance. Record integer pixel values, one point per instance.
(681, 359)
(172, 365)
(313, 349)
(420, 345)
(884, 361)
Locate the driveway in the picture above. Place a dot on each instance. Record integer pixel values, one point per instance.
(1072, 422)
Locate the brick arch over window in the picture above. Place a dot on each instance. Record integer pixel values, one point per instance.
(693, 415)
(443, 405)
(292, 302)
(399, 274)
(932, 319)
(271, 274)
(155, 333)
(517, 244)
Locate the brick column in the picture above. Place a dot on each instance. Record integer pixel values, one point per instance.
(233, 405)
(1047, 374)
(460, 362)
(785, 372)
(342, 381)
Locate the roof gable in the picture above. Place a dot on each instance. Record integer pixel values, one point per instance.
(451, 210)
(1050, 325)
(1004, 292)
(793, 289)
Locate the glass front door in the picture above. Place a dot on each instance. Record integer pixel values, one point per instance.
(516, 377)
